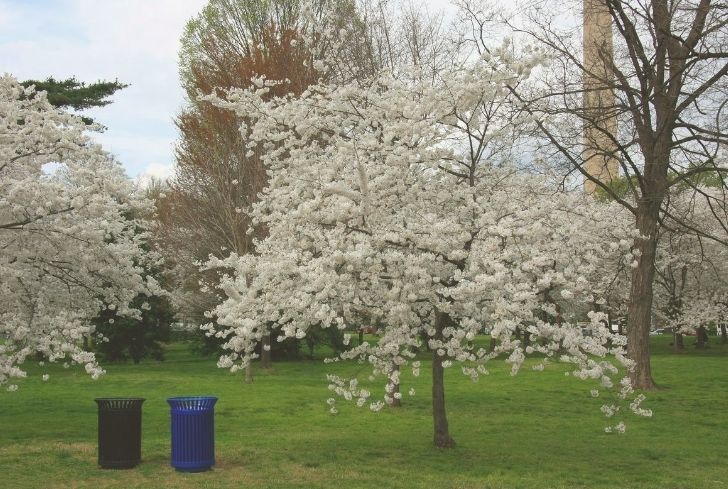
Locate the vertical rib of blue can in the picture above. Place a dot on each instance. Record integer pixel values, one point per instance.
(193, 432)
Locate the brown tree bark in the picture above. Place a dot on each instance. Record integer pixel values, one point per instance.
(701, 340)
(248, 374)
(640, 307)
(442, 438)
(723, 335)
(678, 344)
(396, 402)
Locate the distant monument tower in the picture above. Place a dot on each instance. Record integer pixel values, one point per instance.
(601, 117)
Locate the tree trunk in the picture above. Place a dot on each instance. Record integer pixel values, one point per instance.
(396, 401)
(265, 361)
(640, 306)
(442, 438)
(701, 340)
(249, 374)
(678, 345)
(723, 336)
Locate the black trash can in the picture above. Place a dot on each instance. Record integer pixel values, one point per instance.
(120, 432)
(193, 432)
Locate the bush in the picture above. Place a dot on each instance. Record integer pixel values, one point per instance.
(127, 338)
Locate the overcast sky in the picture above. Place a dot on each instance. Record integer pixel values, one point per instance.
(134, 41)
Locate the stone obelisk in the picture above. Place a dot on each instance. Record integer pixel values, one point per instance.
(600, 121)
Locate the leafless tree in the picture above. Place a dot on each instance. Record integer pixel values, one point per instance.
(664, 72)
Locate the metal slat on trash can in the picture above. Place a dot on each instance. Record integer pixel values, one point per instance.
(120, 432)
(193, 432)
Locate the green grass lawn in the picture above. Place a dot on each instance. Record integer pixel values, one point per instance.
(537, 430)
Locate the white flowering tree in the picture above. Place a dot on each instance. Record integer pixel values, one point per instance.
(657, 82)
(394, 202)
(692, 267)
(68, 247)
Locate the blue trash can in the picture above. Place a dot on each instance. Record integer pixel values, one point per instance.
(193, 433)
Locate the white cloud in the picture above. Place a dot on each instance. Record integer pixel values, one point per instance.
(6, 18)
(137, 151)
(134, 41)
(158, 171)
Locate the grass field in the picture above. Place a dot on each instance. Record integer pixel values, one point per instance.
(537, 430)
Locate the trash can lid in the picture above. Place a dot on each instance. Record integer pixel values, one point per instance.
(119, 402)
(192, 403)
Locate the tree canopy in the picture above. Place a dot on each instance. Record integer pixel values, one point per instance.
(69, 246)
(73, 94)
(395, 199)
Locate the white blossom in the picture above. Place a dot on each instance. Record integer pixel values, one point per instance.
(383, 213)
(68, 243)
